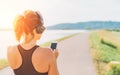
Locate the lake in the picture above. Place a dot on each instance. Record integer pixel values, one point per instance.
(7, 38)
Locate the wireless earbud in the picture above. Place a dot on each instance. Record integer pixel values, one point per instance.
(40, 28)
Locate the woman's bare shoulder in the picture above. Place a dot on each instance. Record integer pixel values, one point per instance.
(44, 52)
(13, 56)
(41, 59)
(11, 49)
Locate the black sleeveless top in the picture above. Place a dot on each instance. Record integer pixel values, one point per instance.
(27, 67)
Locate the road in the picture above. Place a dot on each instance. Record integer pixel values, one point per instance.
(74, 57)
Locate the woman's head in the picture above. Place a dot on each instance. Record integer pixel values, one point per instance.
(29, 23)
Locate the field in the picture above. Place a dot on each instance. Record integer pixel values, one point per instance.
(105, 49)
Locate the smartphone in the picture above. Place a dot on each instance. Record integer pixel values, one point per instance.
(53, 45)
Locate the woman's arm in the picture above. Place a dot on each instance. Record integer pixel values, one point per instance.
(10, 57)
(53, 70)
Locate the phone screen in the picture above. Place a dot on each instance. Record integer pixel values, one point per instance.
(53, 45)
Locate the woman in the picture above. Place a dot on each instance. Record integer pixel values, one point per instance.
(27, 58)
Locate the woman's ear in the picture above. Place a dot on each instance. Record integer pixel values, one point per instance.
(34, 31)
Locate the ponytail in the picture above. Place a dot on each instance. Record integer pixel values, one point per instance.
(18, 26)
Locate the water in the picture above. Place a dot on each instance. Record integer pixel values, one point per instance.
(7, 38)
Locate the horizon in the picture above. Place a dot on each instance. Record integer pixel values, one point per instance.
(6, 28)
(62, 11)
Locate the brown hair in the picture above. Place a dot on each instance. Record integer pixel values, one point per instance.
(26, 23)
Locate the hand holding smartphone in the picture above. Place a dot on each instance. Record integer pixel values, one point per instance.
(53, 45)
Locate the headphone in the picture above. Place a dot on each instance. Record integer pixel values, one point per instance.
(40, 28)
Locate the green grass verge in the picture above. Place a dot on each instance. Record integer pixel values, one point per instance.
(47, 44)
(103, 53)
(4, 63)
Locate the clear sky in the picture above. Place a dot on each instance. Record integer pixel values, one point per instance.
(61, 11)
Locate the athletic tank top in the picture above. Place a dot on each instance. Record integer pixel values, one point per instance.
(27, 67)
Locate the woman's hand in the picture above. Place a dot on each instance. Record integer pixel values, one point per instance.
(56, 53)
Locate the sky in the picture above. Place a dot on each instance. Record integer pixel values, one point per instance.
(61, 11)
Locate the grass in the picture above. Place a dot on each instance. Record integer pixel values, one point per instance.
(116, 34)
(47, 44)
(4, 63)
(104, 50)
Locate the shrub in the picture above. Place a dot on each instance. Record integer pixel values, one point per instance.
(114, 71)
(104, 50)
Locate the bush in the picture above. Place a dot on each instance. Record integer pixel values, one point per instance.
(105, 50)
(114, 71)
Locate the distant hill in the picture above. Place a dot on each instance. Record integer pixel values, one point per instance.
(86, 25)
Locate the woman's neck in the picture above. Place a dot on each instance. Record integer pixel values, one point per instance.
(28, 38)
(28, 45)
